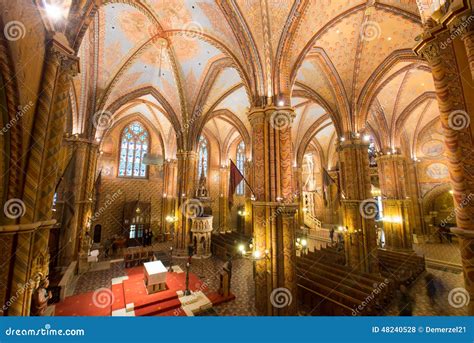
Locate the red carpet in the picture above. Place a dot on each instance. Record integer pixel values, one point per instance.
(165, 303)
(119, 297)
(81, 305)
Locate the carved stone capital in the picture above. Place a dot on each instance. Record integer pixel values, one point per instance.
(431, 52)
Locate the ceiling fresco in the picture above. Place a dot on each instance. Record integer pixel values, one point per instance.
(350, 59)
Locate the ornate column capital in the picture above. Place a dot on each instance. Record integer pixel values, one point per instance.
(186, 153)
(279, 117)
(170, 162)
(354, 143)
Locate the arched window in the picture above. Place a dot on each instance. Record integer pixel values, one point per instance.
(203, 156)
(241, 166)
(133, 147)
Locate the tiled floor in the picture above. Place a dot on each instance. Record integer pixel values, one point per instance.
(448, 252)
(243, 285)
(443, 304)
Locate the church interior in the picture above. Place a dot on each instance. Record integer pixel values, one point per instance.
(237, 158)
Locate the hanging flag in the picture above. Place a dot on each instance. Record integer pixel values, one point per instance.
(235, 178)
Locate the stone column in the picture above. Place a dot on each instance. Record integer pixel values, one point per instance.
(358, 207)
(168, 204)
(274, 210)
(42, 168)
(186, 206)
(415, 195)
(455, 99)
(73, 236)
(248, 199)
(223, 198)
(297, 174)
(468, 39)
(397, 206)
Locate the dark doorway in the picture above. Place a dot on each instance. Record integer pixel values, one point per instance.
(97, 233)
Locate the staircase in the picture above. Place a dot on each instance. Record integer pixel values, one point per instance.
(312, 222)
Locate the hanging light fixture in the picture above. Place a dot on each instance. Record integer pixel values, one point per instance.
(163, 44)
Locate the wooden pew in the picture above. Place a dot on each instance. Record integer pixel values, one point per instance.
(327, 301)
(402, 266)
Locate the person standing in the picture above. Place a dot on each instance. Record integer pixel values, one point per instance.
(331, 235)
(405, 302)
(107, 246)
(340, 241)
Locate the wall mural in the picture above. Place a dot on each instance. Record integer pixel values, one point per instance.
(437, 171)
(433, 148)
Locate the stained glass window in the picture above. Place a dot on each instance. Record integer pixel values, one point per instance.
(241, 166)
(203, 156)
(133, 147)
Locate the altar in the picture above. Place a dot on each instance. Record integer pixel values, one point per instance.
(155, 276)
